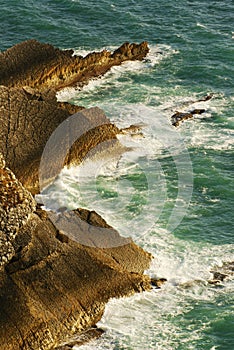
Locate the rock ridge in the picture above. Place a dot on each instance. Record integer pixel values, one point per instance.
(38, 65)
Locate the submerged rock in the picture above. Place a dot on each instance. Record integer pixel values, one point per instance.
(222, 273)
(179, 117)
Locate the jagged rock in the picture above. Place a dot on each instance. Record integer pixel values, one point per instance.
(222, 273)
(179, 117)
(15, 208)
(51, 286)
(54, 287)
(41, 65)
(158, 282)
(29, 117)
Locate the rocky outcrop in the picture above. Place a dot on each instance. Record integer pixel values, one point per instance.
(30, 73)
(41, 65)
(52, 286)
(222, 273)
(53, 283)
(28, 119)
(179, 117)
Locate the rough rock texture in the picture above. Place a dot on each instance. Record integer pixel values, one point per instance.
(15, 209)
(41, 65)
(53, 286)
(90, 334)
(29, 117)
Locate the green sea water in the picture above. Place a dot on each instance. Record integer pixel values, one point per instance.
(174, 194)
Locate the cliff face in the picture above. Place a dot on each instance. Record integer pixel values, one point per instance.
(28, 119)
(36, 64)
(50, 285)
(54, 283)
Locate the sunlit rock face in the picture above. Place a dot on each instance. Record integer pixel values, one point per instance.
(36, 64)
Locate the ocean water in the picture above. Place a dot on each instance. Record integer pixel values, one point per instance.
(173, 193)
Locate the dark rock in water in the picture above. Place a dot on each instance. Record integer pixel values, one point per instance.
(51, 287)
(35, 64)
(222, 273)
(179, 117)
(157, 282)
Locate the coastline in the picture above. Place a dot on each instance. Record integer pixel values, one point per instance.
(60, 285)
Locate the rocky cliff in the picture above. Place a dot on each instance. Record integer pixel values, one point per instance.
(39, 65)
(52, 284)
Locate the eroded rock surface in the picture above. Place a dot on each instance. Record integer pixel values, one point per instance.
(15, 208)
(41, 65)
(52, 286)
(28, 119)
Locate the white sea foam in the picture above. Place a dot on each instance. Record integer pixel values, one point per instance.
(162, 312)
(185, 264)
(211, 30)
(155, 56)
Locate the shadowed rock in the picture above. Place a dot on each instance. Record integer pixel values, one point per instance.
(179, 117)
(41, 65)
(158, 282)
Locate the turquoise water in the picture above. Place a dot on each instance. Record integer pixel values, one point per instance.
(174, 193)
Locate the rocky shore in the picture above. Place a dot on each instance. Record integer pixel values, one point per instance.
(52, 287)
(38, 65)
